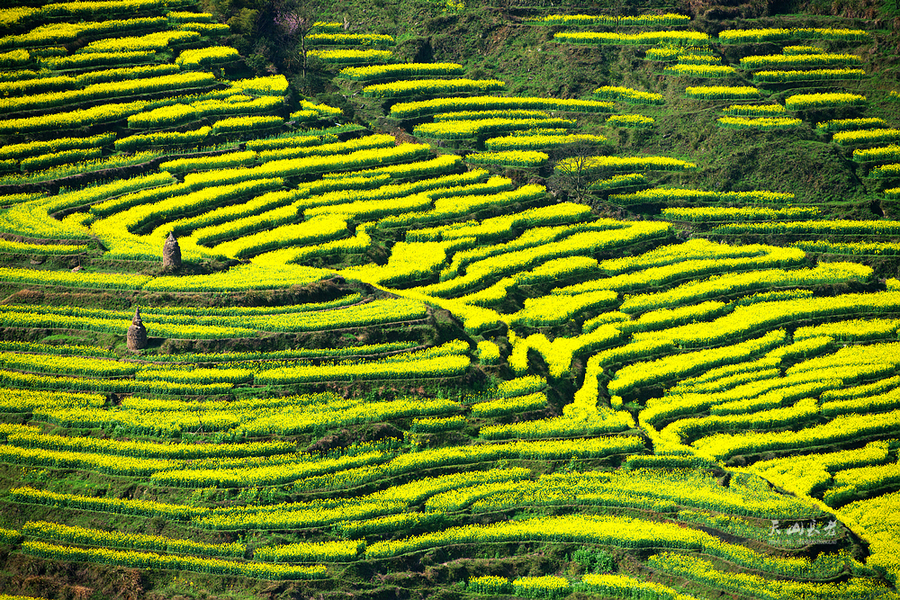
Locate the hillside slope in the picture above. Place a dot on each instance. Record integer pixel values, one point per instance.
(448, 301)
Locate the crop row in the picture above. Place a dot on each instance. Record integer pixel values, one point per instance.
(432, 87)
(537, 141)
(650, 38)
(56, 33)
(744, 36)
(351, 56)
(763, 123)
(133, 559)
(834, 227)
(688, 195)
(374, 72)
(718, 213)
(704, 572)
(808, 75)
(470, 129)
(413, 110)
(629, 95)
(178, 113)
(147, 449)
(625, 163)
(651, 20)
(95, 537)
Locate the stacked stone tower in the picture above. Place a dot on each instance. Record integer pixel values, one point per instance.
(137, 333)
(171, 253)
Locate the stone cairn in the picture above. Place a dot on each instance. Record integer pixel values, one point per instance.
(137, 333)
(171, 253)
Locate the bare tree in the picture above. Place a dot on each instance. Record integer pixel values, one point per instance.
(573, 174)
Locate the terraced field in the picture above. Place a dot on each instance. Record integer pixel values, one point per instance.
(469, 348)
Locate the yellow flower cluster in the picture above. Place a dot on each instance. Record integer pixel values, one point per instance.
(699, 70)
(876, 520)
(509, 405)
(683, 38)
(55, 33)
(757, 586)
(504, 259)
(105, 463)
(745, 36)
(15, 58)
(97, 59)
(148, 449)
(889, 170)
(489, 584)
(802, 50)
(373, 72)
(8, 247)
(721, 213)
(130, 558)
(809, 75)
(854, 330)
(544, 586)
(311, 552)
(273, 85)
(428, 368)
(536, 141)
(629, 95)
(663, 20)
(422, 108)
(839, 429)
(230, 159)
(26, 149)
(821, 100)
(718, 92)
(349, 39)
(148, 508)
(55, 159)
(432, 87)
(619, 181)
(204, 57)
(878, 154)
(731, 283)
(866, 136)
(361, 143)
(332, 165)
(350, 55)
(636, 121)
(11, 16)
(697, 59)
(622, 586)
(762, 61)
(159, 40)
(437, 424)
(754, 109)
(628, 163)
(509, 158)
(103, 113)
(834, 227)
(96, 537)
(468, 115)
(851, 248)
(470, 129)
(245, 124)
(206, 29)
(761, 123)
(682, 365)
